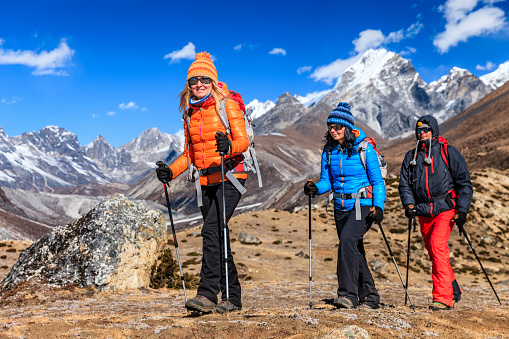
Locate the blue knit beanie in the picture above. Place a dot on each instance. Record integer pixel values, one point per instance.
(341, 115)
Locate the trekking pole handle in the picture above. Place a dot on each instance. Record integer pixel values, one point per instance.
(160, 164)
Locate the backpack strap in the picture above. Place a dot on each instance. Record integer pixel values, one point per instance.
(363, 146)
(445, 154)
(223, 116)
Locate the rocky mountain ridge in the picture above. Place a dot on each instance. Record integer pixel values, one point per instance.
(388, 95)
(53, 159)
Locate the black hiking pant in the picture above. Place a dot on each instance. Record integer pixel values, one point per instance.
(212, 275)
(354, 278)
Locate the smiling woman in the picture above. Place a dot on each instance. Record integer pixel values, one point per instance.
(208, 148)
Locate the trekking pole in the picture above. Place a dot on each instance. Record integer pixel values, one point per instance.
(161, 164)
(224, 236)
(462, 230)
(408, 253)
(395, 264)
(310, 277)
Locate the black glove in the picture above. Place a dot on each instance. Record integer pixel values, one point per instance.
(376, 215)
(223, 144)
(164, 173)
(410, 211)
(460, 218)
(310, 189)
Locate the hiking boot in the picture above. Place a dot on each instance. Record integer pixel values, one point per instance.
(343, 302)
(438, 306)
(222, 308)
(201, 304)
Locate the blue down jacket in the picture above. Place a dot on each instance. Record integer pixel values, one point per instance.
(347, 175)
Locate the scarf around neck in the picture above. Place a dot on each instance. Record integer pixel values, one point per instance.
(205, 101)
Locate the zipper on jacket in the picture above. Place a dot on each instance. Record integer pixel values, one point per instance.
(342, 178)
(427, 190)
(200, 119)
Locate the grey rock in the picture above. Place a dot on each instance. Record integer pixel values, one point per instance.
(249, 239)
(352, 331)
(112, 247)
(378, 266)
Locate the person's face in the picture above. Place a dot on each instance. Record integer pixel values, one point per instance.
(424, 133)
(337, 132)
(200, 86)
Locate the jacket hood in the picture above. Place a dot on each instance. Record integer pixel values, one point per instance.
(432, 122)
(359, 135)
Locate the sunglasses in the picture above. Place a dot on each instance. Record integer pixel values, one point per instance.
(335, 127)
(203, 80)
(425, 130)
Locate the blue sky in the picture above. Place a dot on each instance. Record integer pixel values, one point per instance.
(115, 68)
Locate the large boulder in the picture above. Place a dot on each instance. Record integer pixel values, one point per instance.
(112, 247)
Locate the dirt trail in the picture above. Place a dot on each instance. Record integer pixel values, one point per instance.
(275, 282)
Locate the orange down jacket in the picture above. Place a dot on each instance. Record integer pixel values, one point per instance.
(200, 142)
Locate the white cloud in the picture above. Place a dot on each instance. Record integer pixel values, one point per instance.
(334, 70)
(408, 50)
(13, 100)
(2, 41)
(110, 113)
(187, 52)
(463, 22)
(278, 51)
(144, 109)
(94, 115)
(130, 105)
(369, 38)
(488, 67)
(44, 62)
(238, 47)
(304, 69)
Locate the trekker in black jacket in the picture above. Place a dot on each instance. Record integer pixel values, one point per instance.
(435, 186)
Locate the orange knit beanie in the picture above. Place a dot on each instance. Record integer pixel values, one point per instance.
(203, 66)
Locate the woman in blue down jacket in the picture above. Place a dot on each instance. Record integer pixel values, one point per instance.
(359, 197)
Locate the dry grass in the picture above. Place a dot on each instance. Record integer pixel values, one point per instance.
(276, 289)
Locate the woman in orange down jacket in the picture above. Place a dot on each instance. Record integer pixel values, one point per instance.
(205, 139)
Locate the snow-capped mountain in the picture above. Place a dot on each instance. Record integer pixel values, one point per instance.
(387, 94)
(53, 158)
(455, 92)
(311, 98)
(153, 145)
(46, 159)
(286, 111)
(498, 77)
(256, 109)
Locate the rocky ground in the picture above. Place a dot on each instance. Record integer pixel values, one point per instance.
(275, 280)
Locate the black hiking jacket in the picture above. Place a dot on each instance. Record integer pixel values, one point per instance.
(426, 185)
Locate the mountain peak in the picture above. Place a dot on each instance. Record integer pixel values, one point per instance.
(256, 109)
(371, 64)
(498, 77)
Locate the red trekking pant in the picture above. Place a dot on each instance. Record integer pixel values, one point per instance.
(436, 232)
